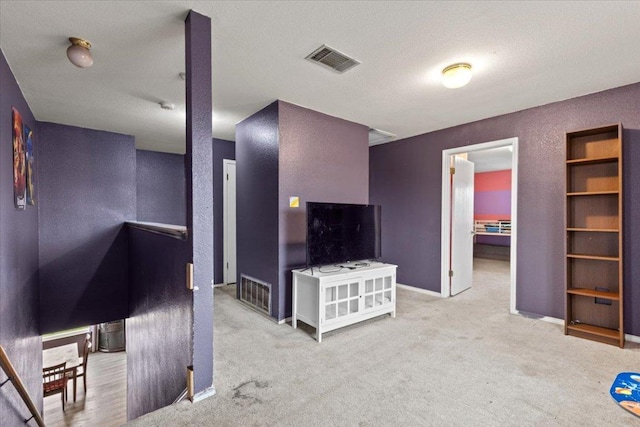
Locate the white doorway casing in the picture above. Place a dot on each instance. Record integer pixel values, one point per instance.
(446, 212)
(229, 221)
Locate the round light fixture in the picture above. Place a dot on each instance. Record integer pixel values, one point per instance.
(456, 75)
(79, 53)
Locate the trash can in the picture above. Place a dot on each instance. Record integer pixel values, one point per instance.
(111, 336)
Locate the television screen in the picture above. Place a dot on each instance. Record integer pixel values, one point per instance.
(338, 233)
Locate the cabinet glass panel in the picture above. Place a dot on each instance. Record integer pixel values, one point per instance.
(343, 309)
(378, 299)
(387, 282)
(353, 306)
(330, 311)
(379, 284)
(330, 294)
(342, 292)
(368, 285)
(354, 290)
(387, 297)
(368, 301)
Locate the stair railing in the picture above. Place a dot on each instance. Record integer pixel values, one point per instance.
(13, 376)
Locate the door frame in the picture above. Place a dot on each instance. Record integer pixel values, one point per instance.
(225, 221)
(446, 212)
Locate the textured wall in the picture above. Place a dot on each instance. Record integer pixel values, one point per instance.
(160, 187)
(257, 196)
(199, 175)
(18, 263)
(405, 177)
(159, 331)
(221, 150)
(87, 191)
(322, 159)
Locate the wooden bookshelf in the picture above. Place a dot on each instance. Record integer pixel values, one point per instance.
(594, 291)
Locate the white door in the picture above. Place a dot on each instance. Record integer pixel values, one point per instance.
(461, 270)
(229, 207)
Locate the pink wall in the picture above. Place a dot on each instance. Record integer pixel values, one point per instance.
(492, 199)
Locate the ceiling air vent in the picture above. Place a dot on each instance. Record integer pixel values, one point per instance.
(331, 58)
(377, 136)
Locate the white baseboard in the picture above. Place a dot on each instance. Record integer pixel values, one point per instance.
(204, 394)
(419, 290)
(283, 321)
(632, 338)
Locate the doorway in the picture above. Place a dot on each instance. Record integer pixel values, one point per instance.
(229, 220)
(447, 244)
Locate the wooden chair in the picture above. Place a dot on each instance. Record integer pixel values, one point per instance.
(54, 381)
(82, 366)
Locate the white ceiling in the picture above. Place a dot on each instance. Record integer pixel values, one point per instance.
(492, 159)
(523, 54)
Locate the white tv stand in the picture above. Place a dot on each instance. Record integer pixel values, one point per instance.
(331, 297)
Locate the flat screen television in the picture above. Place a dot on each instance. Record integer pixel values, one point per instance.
(339, 232)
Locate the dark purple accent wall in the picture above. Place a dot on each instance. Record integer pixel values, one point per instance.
(199, 175)
(257, 197)
(87, 183)
(221, 150)
(160, 187)
(322, 159)
(405, 178)
(18, 263)
(159, 331)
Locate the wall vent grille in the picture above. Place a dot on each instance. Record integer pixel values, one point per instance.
(256, 293)
(331, 58)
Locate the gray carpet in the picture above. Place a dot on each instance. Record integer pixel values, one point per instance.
(458, 361)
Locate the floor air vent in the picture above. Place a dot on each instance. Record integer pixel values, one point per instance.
(256, 293)
(331, 58)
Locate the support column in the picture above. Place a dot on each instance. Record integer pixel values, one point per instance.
(199, 181)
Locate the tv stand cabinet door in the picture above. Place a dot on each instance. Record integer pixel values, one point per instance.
(340, 302)
(379, 291)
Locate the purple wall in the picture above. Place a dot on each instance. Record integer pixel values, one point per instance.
(161, 192)
(160, 187)
(87, 191)
(199, 175)
(159, 331)
(221, 150)
(405, 178)
(18, 263)
(285, 150)
(257, 197)
(322, 159)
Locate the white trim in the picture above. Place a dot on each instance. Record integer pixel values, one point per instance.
(547, 319)
(632, 338)
(283, 321)
(225, 250)
(208, 392)
(419, 290)
(445, 225)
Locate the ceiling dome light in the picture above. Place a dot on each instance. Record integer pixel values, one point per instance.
(456, 75)
(79, 53)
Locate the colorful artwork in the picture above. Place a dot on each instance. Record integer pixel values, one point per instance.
(28, 138)
(19, 163)
(626, 391)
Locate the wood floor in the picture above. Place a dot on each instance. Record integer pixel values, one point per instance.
(105, 403)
